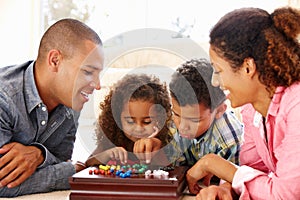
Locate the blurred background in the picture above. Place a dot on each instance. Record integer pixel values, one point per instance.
(23, 22)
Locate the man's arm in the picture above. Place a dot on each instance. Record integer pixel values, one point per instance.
(18, 163)
(50, 178)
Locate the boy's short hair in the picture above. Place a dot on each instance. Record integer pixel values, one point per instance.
(191, 84)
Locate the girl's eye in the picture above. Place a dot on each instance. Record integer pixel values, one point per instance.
(147, 122)
(130, 122)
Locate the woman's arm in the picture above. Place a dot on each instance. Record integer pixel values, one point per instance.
(210, 164)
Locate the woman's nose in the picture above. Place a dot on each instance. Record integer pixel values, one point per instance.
(215, 80)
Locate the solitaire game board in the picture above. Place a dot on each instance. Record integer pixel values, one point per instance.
(90, 184)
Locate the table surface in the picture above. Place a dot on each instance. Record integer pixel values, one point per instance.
(64, 195)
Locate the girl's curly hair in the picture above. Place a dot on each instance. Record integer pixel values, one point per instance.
(270, 39)
(132, 87)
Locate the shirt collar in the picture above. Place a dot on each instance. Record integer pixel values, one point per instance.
(205, 136)
(275, 103)
(32, 97)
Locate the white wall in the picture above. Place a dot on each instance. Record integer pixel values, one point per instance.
(20, 30)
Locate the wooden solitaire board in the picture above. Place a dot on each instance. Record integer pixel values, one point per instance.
(85, 186)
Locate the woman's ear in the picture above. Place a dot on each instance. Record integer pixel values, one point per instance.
(249, 67)
(220, 110)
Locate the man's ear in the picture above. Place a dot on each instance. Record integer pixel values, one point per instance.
(53, 59)
(249, 67)
(220, 110)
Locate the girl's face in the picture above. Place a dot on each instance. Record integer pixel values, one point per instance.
(235, 85)
(138, 119)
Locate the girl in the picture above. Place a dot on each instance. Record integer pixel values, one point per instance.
(136, 109)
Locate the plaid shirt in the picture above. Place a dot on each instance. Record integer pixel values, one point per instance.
(222, 138)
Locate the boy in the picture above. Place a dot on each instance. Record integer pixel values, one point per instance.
(199, 113)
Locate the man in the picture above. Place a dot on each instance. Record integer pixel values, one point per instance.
(40, 103)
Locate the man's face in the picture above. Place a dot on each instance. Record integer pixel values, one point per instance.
(81, 74)
(192, 120)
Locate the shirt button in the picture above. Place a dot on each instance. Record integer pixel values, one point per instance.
(44, 108)
(43, 122)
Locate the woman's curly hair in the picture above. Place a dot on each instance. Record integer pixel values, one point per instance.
(270, 39)
(132, 87)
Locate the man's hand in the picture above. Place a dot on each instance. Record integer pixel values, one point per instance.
(146, 148)
(18, 163)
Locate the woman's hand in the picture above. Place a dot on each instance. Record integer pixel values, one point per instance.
(221, 192)
(213, 192)
(206, 167)
(194, 174)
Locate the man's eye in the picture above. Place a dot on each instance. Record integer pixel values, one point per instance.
(88, 72)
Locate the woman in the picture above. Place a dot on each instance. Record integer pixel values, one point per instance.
(256, 58)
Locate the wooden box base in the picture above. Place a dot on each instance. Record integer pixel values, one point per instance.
(85, 186)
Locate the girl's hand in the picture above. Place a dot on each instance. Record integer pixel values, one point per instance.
(146, 148)
(117, 153)
(156, 131)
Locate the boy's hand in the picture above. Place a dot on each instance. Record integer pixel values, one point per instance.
(146, 148)
(18, 163)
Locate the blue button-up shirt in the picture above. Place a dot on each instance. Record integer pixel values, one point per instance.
(24, 119)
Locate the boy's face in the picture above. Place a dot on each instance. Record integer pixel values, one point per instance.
(192, 121)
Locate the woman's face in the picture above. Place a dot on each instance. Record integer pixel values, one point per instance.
(234, 84)
(138, 119)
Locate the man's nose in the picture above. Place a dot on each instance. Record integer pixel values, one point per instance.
(96, 84)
